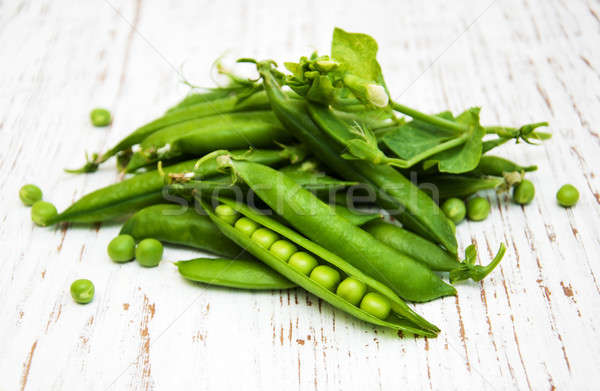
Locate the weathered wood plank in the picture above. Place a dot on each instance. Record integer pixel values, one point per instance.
(531, 325)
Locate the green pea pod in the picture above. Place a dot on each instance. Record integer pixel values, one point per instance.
(427, 252)
(497, 166)
(355, 217)
(186, 226)
(394, 192)
(202, 97)
(121, 198)
(222, 187)
(233, 273)
(201, 136)
(412, 245)
(460, 186)
(403, 318)
(488, 166)
(181, 225)
(221, 105)
(132, 194)
(315, 219)
(314, 182)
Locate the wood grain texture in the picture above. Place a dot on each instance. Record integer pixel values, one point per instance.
(533, 324)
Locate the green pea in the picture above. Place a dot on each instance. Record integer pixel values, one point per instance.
(351, 290)
(478, 208)
(455, 209)
(326, 276)
(30, 194)
(246, 226)
(100, 117)
(82, 291)
(121, 248)
(227, 213)
(42, 212)
(149, 252)
(303, 262)
(264, 237)
(524, 192)
(283, 249)
(376, 305)
(567, 195)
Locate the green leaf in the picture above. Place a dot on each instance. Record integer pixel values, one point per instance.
(464, 157)
(357, 54)
(416, 137)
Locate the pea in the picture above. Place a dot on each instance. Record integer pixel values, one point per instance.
(376, 305)
(351, 290)
(567, 195)
(30, 194)
(149, 252)
(82, 291)
(524, 192)
(246, 226)
(264, 237)
(325, 276)
(100, 117)
(454, 209)
(42, 212)
(283, 249)
(227, 213)
(121, 248)
(303, 262)
(478, 209)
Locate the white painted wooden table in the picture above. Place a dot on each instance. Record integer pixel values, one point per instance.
(533, 324)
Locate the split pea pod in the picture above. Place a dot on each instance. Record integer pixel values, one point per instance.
(427, 252)
(300, 265)
(393, 191)
(187, 226)
(200, 136)
(304, 211)
(233, 273)
(122, 198)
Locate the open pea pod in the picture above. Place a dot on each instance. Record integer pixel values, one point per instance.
(233, 273)
(410, 279)
(402, 316)
(187, 226)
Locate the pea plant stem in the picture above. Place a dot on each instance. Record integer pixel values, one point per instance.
(432, 119)
(501, 131)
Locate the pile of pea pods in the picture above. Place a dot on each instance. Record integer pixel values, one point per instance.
(291, 189)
